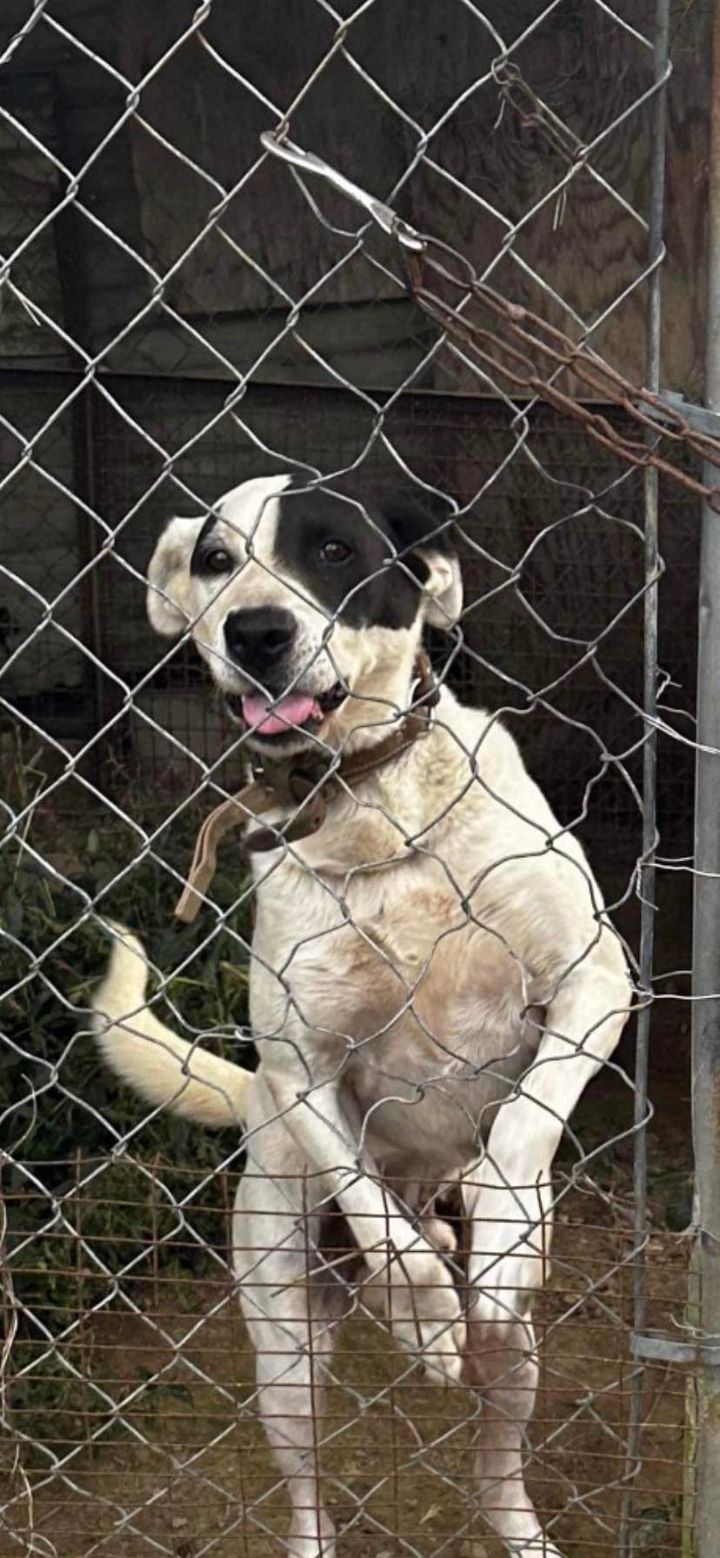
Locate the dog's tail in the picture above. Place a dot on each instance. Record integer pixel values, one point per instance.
(152, 1059)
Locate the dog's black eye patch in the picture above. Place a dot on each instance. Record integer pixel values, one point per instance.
(348, 561)
(341, 558)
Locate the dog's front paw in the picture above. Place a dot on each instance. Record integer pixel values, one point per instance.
(424, 1310)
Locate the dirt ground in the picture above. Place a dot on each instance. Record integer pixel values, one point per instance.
(187, 1471)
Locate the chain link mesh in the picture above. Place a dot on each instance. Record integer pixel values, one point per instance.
(183, 310)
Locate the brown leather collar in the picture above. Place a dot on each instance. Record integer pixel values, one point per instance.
(307, 784)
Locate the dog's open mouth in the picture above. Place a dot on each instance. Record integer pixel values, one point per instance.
(281, 716)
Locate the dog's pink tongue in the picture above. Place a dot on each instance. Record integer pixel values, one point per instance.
(274, 720)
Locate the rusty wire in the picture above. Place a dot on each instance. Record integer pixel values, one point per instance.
(501, 358)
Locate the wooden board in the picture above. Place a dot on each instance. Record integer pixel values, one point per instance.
(497, 159)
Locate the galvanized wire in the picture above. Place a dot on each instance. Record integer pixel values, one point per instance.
(130, 396)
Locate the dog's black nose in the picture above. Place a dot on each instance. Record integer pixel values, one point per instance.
(259, 637)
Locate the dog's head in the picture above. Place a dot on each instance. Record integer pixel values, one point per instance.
(307, 605)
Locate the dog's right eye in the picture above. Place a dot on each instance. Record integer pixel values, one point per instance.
(217, 561)
(335, 551)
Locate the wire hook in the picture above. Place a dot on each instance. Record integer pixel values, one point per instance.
(384, 215)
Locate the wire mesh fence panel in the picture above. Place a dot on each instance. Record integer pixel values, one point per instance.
(330, 431)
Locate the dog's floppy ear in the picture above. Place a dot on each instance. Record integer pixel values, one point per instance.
(425, 543)
(168, 575)
(443, 588)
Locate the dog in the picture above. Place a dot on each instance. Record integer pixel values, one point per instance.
(433, 979)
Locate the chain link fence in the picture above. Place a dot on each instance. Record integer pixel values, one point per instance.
(380, 249)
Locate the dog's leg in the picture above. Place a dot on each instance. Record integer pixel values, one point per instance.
(508, 1199)
(422, 1303)
(292, 1308)
(511, 1186)
(501, 1364)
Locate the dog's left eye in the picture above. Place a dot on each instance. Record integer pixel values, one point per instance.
(217, 561)
(334, 551)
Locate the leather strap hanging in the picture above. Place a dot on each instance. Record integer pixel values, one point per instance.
(306, 783)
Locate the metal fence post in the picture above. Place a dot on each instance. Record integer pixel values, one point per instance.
(646, 873)
(706, 930)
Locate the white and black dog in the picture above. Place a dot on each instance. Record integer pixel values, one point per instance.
(433, 982)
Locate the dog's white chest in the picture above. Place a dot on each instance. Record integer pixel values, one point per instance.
(421, 1008)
